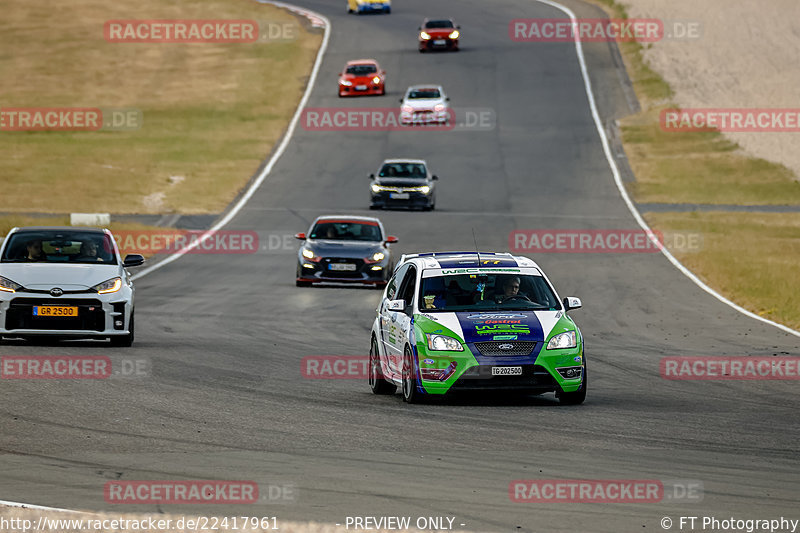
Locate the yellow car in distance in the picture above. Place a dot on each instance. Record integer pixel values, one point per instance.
(369, 6)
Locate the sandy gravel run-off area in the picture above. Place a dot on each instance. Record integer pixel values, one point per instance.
(747, 56)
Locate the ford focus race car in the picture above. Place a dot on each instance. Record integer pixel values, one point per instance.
(468, 320)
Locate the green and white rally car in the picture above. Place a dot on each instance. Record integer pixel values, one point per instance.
(475, 320)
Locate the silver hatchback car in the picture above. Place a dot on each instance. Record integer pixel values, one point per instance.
(65, 282)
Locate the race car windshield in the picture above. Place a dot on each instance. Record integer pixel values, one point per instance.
(59, 247)
(494, 292)
(424, 94)
(435, 24)
(403, 170)
(346, 231)
(361, 70)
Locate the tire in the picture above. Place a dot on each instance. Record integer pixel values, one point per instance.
(124, 341)
(299, 283)
(577, 397)
(387, 10)
(410, 392)
(376, 381)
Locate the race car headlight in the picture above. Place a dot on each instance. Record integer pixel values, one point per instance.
(424, 35)
(108, 286)
(406, 109)
(376, 188)
(444, 343)
(454, 34)
(376, 80)
(439, 107)
(424, 189)
(568, 339)
(6, 285)
(345, 83)
(377, 257)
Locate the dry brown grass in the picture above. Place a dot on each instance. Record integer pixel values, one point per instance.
(211, 112)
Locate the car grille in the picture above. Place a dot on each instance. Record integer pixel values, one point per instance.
(91, 316)
(491, 348)
(344, 274)
(534, 378)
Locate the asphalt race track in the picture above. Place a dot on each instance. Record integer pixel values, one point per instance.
(225, 334)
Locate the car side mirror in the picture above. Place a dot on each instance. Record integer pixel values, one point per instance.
(458, 27)
(401, 100)
(571, 302)
(133, 260)
(434, 177)
(383, 72)
(372, 176)
(419, 28)
(391, 239)
(396, 305)
(300, 236)
(447, 98)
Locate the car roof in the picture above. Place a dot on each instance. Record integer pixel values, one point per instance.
(71, 229)
(418, 87)
(467, 260)
(387, 161)
(354, 218)
(361, 62)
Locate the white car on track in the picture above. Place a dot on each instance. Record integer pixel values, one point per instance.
(65, 282)
(424, 104)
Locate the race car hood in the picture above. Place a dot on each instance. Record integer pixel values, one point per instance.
(439, 33)
(359, 79)
(404, 182)
(350, 249)
(423, 104)
(500, 327)
(45, 276)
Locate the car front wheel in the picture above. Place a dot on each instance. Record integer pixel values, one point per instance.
(124, 340)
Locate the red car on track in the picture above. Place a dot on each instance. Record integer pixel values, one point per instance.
(438, 34)
(362, 76)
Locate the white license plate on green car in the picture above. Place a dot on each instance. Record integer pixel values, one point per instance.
(506, 370)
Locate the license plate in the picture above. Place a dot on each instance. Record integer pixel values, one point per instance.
(54, 310)
(439, 42)
(361, 87)
(399, 195)
(341, 266)
(506, 370)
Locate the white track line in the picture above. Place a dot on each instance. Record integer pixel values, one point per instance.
(315, 19)
(624, 193)
(37, 507)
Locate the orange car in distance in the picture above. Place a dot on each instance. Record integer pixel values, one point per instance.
(362, 76)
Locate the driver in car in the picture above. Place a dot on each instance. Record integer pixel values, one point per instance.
(510, 289)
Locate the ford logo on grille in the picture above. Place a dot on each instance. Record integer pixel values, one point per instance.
(506, 347)
(56, 292)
